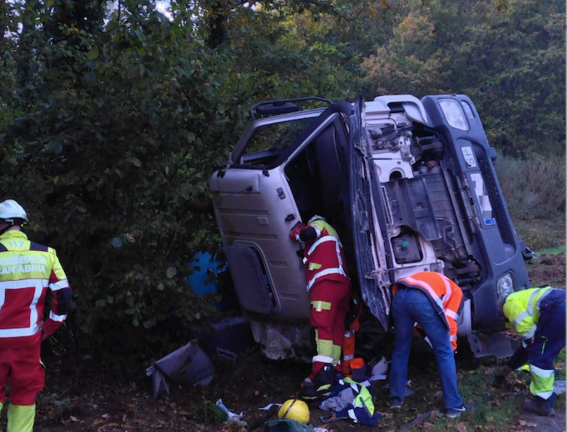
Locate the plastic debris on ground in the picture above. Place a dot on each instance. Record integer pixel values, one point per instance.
(189, 365)
(232, 417)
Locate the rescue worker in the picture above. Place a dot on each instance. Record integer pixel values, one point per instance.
(433, 301)
(27, 271)
(329, 286)
(538, 315)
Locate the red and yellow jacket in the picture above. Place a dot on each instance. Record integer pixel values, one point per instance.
(445, 295)
(323, 254)
(27, 271)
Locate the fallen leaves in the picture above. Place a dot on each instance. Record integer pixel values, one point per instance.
(462, 427)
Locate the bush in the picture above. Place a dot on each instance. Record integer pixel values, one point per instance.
(533, 188)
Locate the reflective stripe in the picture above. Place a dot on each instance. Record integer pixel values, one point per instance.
(448, 290)
(6, 333)
(33, 305)
(58, 318)
(544, 373)
(322, 240)
(37, 285)
(352, 415)
(533, 296)
(59, 285)
(544, 295)
(520, 318)
(530, 334)
(452, 314)
(339, 257)
(453, 337)
(321, 305)
(544, 394)
(435, 297)
(348, 357)
(24, 283)
(322, 359)
(2, 297)
(325, 273)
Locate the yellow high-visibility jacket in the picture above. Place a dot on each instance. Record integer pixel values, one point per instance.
(522, 310)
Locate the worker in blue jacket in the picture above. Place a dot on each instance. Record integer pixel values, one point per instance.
(538, 315)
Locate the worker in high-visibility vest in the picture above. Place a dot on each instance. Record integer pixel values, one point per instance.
(330, 290)
(433, 301)
(538, 315)
(27, 271)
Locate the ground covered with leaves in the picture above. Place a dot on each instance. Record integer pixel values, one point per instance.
(80, 395)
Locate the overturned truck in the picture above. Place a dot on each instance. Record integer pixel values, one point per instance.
(409, 185)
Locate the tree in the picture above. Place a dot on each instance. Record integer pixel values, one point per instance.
(508, 56)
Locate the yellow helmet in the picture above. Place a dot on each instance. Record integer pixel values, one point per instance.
(294, 409)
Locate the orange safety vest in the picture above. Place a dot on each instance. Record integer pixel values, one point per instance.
(324, 257)
(445, 295)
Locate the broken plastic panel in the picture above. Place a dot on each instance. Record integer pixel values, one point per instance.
(189, 365)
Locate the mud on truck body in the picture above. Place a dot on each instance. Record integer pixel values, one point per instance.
(409, 185)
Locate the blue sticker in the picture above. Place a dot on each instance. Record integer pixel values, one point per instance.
(489, 221)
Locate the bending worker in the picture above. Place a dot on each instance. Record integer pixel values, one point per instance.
(538, 315)
(432, 301)
(329, 286)
(27, 271)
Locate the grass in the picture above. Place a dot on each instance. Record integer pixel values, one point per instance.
(542, 235)
(552, 251)
(497, 408)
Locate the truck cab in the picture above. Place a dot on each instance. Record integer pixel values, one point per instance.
(409, 184)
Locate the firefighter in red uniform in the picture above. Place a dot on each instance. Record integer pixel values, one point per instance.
(329, 286)
(27, 271)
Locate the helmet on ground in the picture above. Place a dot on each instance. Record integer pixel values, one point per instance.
(10, 210)
(316, 218)
(294, 409)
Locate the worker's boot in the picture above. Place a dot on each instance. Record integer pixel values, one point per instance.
(21, 418)
(540, 406)
(320, 387)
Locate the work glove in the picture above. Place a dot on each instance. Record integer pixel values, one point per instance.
(295, 231)
(527, 342)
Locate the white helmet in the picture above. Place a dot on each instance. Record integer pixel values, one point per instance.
(10, 210)
(316, 218)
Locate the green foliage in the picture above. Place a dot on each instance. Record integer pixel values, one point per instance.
(508, 56)
(208, 413)
(534, 188)
(111, 120)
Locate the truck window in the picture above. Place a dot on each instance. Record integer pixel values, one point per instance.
(270, 140)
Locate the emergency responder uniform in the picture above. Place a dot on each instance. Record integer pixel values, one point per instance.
(538, 315)
(27, 271)
(329, 286)
(433, 301)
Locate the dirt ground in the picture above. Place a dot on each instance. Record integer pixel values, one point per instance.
(80, 396)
